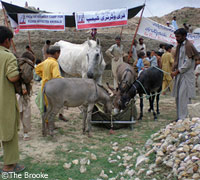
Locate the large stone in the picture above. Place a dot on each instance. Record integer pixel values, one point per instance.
(149, 152)
(160, 153)
(76, 161)
(180, 128)
(197, 147)
(128, 148)
(83, 169)
(127, 158)
(182, 155)
(140, 171)
(115, 148)
(149, 143)
(103, 175)
(140, 160)
(130, 172)
(194, 110)
(196, 176)
(67, 165)
(186, 148)
(93, 156)
(158, 160)
(169, 163)
(83, 161)
(149, 173)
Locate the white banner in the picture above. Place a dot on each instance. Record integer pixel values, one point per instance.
(154, 30)
(51, 22)
(103, 18)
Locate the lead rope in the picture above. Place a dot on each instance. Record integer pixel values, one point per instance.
(111, 125)
(148, 96)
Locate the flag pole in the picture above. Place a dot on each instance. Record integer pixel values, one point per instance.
(29, 38)
(121, 31)
(6, 22)
(129, 54)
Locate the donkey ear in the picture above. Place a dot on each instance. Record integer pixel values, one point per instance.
(89, 43)
(98, 42)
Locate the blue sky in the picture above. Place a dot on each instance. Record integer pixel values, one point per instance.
(153, 7)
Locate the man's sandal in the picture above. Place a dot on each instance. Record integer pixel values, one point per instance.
(18, 168)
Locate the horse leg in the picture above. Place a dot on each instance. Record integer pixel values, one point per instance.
(45, 116)
(89, 117)
(157, 100)
(51, 118)
(44, 132)
(141, 107)
(84, 74)
(134, 111)
(84, 111)
(152, 106)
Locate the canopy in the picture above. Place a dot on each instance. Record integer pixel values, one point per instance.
(13, 10)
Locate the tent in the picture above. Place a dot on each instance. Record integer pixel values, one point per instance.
(13, 10)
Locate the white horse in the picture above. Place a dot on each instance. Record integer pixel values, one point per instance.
(82, 60)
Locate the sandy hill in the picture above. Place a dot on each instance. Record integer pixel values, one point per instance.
(185, 15)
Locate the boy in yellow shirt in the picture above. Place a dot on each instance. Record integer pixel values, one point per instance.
(49, 69)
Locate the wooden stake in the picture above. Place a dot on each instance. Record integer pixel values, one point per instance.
(6, 22)
(129, 54)
(121, 32)
(29, 39)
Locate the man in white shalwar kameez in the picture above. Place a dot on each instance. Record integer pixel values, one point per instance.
(116, 53)
(183, 71)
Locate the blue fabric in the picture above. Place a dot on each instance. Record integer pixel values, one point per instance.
(140, 64)
(153, 61)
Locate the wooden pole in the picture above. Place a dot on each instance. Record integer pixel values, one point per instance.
(29, 38)
(6, 22)
(121, 31)
(129, 56)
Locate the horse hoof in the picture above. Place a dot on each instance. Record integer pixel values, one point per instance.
(44, 134)
(158, 112)
(51, 134)
(111, 132)
(89, 135)
(155, 118)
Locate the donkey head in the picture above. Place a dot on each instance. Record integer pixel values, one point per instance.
(126, 96)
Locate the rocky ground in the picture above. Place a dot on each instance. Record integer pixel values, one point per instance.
(177, 148)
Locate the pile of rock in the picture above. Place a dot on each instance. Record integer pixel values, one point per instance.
(83, 162)
(177, 148)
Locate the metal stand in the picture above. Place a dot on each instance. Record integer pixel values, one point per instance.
(99, 117)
